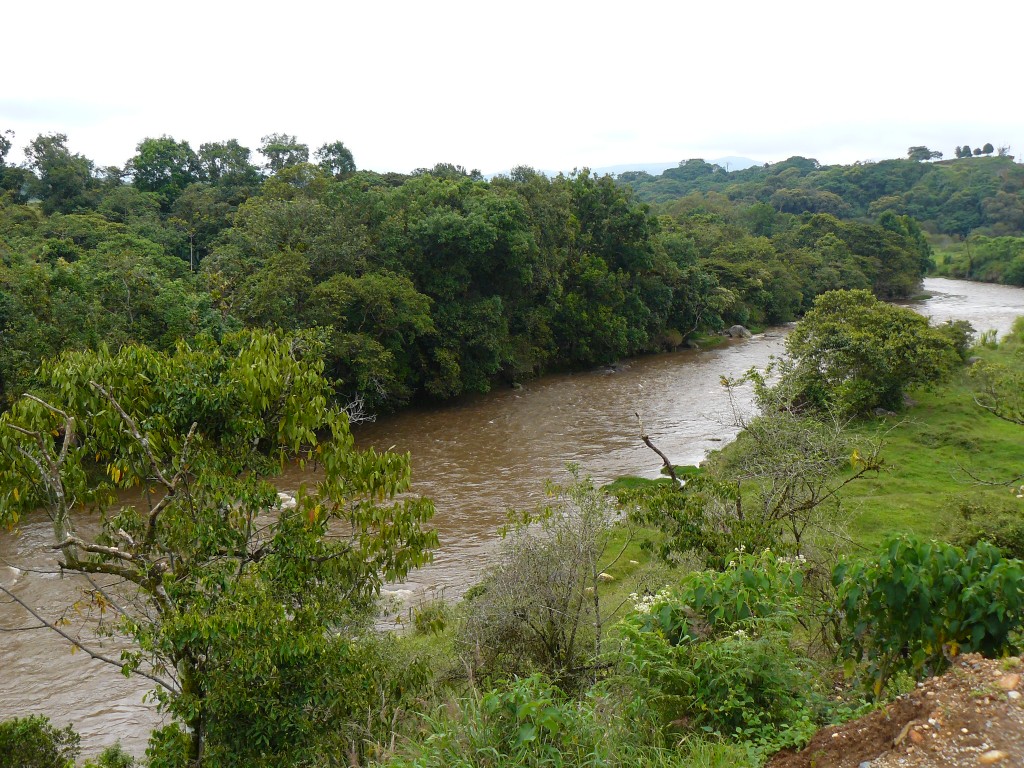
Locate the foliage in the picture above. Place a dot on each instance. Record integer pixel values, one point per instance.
(246, 611)
(435, 284)
(919, 600)
(715, 654)
(990, 259)
(781, 484)
(112, 757)
(999, 389)
(791, 467)
(853, 353)
(34, 742)
(539, 606)
(530, 722)
(997, 521)
(961, 197)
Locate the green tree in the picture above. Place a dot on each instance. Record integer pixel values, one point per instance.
(919, 154)
(988, 149)
(164, 167)
(249, 617)
(64, 181)
(282, 151)
(33, 742)
(853, 353)
(227, 163)
(335, 159)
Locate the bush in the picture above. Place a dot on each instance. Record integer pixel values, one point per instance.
(921, 600)
(716, 654)
(33, 742)
(531, 722)
(112, 757)
(999, 521)
(539, 607)
(852, 353)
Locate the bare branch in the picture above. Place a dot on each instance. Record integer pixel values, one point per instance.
(81, 646)
(97, 549)
(647, 441)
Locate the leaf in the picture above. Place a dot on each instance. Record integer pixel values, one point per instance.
(527, 733)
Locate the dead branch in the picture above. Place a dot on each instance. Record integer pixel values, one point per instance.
(647, 441)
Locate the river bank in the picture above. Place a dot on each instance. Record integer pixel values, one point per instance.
(477, 458)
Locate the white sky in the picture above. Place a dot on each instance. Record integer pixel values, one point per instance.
(491, 84)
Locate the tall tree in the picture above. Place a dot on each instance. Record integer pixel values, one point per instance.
(282, 151)
(336, 160)
(64, 180)
(164, 167)
(227, 163)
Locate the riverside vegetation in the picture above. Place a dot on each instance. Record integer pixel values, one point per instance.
(711, 623)
(650, 624)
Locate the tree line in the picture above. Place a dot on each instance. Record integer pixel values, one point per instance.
(425, 285)
(950, 197)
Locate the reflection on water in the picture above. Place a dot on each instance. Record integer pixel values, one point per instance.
(476, 458)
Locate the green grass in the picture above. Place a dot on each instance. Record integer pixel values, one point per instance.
(931, 451)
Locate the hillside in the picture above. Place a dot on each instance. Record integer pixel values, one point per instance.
(976, 195)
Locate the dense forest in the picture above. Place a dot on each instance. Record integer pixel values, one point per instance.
(971, 208)
(426, 285)
(969, 195)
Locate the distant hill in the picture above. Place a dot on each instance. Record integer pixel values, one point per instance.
(731, 163)
(982, 195)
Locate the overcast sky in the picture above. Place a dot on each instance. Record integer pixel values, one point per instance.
(492, 84)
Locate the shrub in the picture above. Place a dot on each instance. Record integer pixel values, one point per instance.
(716, 655)
(539, 607)
(531, 722)
(996, 520)
(852, 353)
(112, 757)
(919, 600)
(34, 742)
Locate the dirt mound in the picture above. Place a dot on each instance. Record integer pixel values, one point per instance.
(973, 715)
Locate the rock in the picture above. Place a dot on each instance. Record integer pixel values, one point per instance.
(516, 386)
(973, 360)
(739, 332)
(917, 737)
(1013, 695)
(285, 501)
(865, 764)
(992, 757)
(1009, 682)
(605, 577)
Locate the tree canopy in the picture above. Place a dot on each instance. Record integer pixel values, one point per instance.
(247, 613)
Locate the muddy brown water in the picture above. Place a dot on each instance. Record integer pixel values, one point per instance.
(476, 458)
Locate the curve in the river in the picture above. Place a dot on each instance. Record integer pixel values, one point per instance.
(476, 458)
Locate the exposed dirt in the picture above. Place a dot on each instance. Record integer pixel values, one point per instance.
(973, 715)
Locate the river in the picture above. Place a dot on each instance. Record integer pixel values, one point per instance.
(476, 458)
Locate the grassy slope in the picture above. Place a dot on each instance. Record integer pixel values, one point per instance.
(931, 451)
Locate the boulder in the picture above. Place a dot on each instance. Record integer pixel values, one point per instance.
(739, 332)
